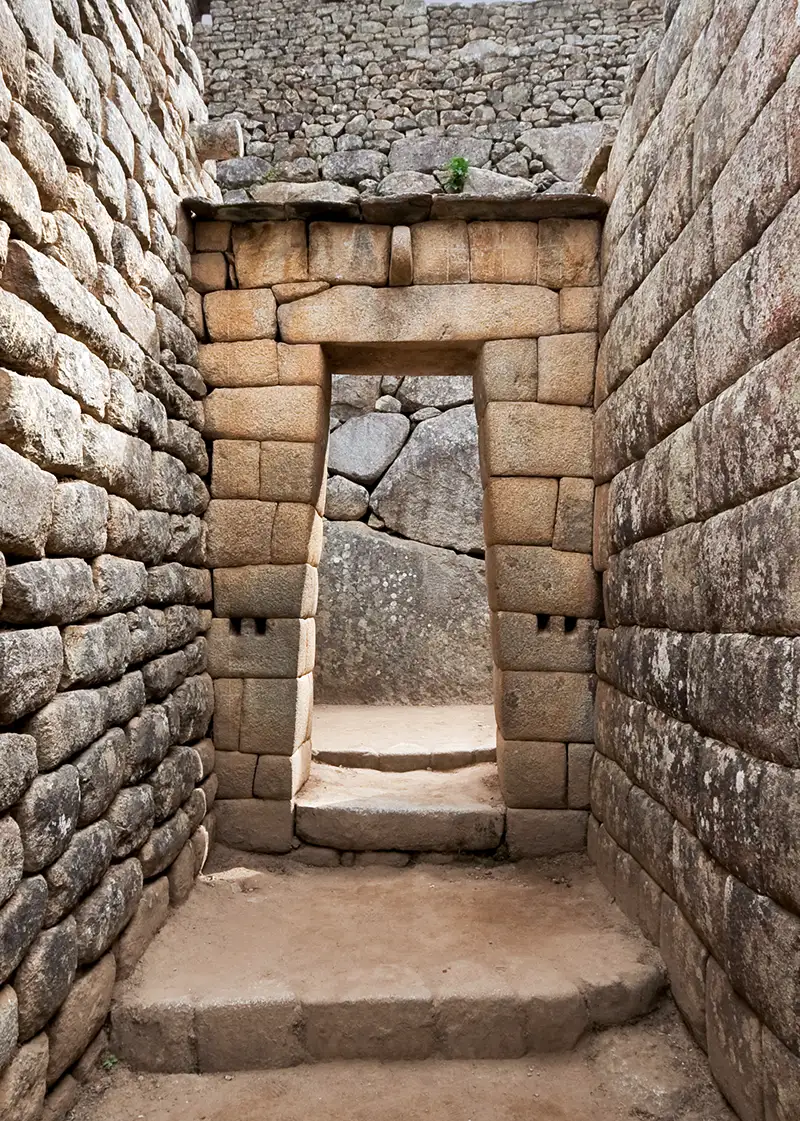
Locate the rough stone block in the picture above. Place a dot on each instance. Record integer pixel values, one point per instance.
(104, 913)
(544, 706)
(147, 737)
(180, 876)
(440, 252)
(349, 253)
(503, 252)
(45, 976)
(528, 438)
(237, 316)
(287, 413)
(569, 252)
(210, 237)
(270, 253)
(41, 423)
(23, 1083)
(291, 472)
(566, 368)
(80, 1017)
(537, 580)
(235, 468)
(9, 1027)
(150, 916)
(116, 461)
(19, 199)
(506, 371)
(781, 1079)
(101, 770)
(302, 365)
(239, 532)
(11, 861)
(209, 272)
(235, 772)
(255, 825)
(80, 514)
(520, 511)
(77, 870)
(296, 535)
(47, 816)
(172, 781)
(686, 958)
(48, 591)
(95, 652)
(30, 668)
(578, 308)
(18, 766)
(279, 777)
(275, 715)
(266, 592)
(227, 708)
(533, 775)
(545, 832)
(734, 1045)
(574, 524)
(27, 508)
(240, 364)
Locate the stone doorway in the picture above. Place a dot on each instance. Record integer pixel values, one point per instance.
(514, 304)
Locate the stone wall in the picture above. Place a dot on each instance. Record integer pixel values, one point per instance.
(515, 305)
(352, 90)
(104, 696)
(696, 784)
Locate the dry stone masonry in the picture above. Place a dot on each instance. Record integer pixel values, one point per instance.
(354, 91)
(695, 785)
(106, 776)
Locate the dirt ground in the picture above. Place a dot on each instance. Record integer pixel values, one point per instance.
(650, 1071)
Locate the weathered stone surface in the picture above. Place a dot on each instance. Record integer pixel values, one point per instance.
(130, 816)
(189, 708)
(47, 815)
(116, 461)
(101, 916)
(530, 439)
(401, 264)
(352, 167)
(77, 870)
(564, 150)
(27, 340)
(40, 423)
(266, 591)
(20, 921)
(293, 413)
(96, 651)
(519, 511)
(67, 724)
(148, 739)
(45, 976)
(9, 1027)
(439, 392)
(48, 591)
(503, 252)
(237, 316)
(172, 781)
(164, 844)
(363, 447)
(23, 1082)
(17, 766)
(80, 514)
(100, 773)
(432, 153)
(149, 918)
(349, 253)
(432, 491)
(345, 500)
(30, 668)
(270, 253)
(80, 1017)
(425, 622)
(27, 508)
(540, 580)
(11, 859)
(19, 200)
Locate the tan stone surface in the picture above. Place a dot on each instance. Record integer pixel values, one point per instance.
(235, 772)
(578, 308)
(566, 368)
(295, 413)
(519, 642)
(536, 580)
(80, 1017)
(292, 472)
(298, 290)
(22, 1083)
(440, 252)
(421, 313)
(195, 320)
(506, 370)
(281, 776)
(255, 825)
(301, 365)
(270, 253)
(518, 511)
(533, 775)
(503, 252)
(239, 531)
(235, 469)
(544, 706)
(401, 264)
(296, 534)
(212, 236)
(266, 591)
(209, 271)
(60, 1100)
(285, 649)
(276, 714)
(349, 252)
(151, 914)
(181, 875)
(534, 439)
(227, 712)
(239, 315)
(579, 765)
(532, 833)
(236, 365)
(600, 535)
(569, 252)
(574, 516)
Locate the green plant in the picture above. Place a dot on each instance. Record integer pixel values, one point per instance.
(109, 1062)
(457, 170)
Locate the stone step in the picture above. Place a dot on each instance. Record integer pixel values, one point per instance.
(272, 965)
(404, 737)
(415, 811)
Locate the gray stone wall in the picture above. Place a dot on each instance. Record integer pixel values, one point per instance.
(696, 784)
(347, 90)
(104, 698)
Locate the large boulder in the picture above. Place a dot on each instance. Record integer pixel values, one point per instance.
(432, 153)
(345, 501)
(365, 446)
(437, 392)
(432, 492)
(565, 149)
(241, 172)
(399, 622)
(352, 167)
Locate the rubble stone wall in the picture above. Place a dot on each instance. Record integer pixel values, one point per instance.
(696, 783)
(346, 89)
(105, 702)
(287, 303)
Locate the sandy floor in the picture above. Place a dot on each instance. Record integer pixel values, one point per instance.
(386, 727)
(650, 1071)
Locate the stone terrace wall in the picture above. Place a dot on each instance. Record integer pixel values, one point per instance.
(339, 86)
(104, 698)
(696, 784)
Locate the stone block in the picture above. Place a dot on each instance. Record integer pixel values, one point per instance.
(401, 264)
(781, 1079)
(275, 715)
(105, 913)
(172, 781)
(302, 365)
(440, 252)
(48, 591)
(40, 423)
(116, 461)
(23, 1083)
(151, 914)
(235, 468)
(263, 1031)
(164, 844)
(80, 514)
(235, 772)
(80, 1017)
(237, 316)
(9, 1027)
(420, 313)
(528, 438)
(101, 770)
(566, 368)
(281, 412)
(279, 777)
(578, 308)
(30, 668)
(349, 252)
(734, 1045)
(574, 524)
(95, 652)
(20, 921)
(239, 532)
(537, 580)
(209, 272)
(296, 535)
(255, 825)
(291, 472)
(19, 199)
(686, 958)
(535, 833)
(11, 858)
(27, 340)
(27, 508)
(210, 237)
(18, 766)
(270, 253)
(119, 584)
(533, 775)
(47, 816)
(189, 709)
(77, 870)
(579, 763)
(506, 371)
(239, 364)
(519, 511)
(45, 976)
(503, 252)
(181, 876)
(569, 253)
(227, 708)
(284, 649)
(544, 706)
(266, 592)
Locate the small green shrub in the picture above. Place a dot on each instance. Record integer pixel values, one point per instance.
(457, 170)
(110, 1062)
